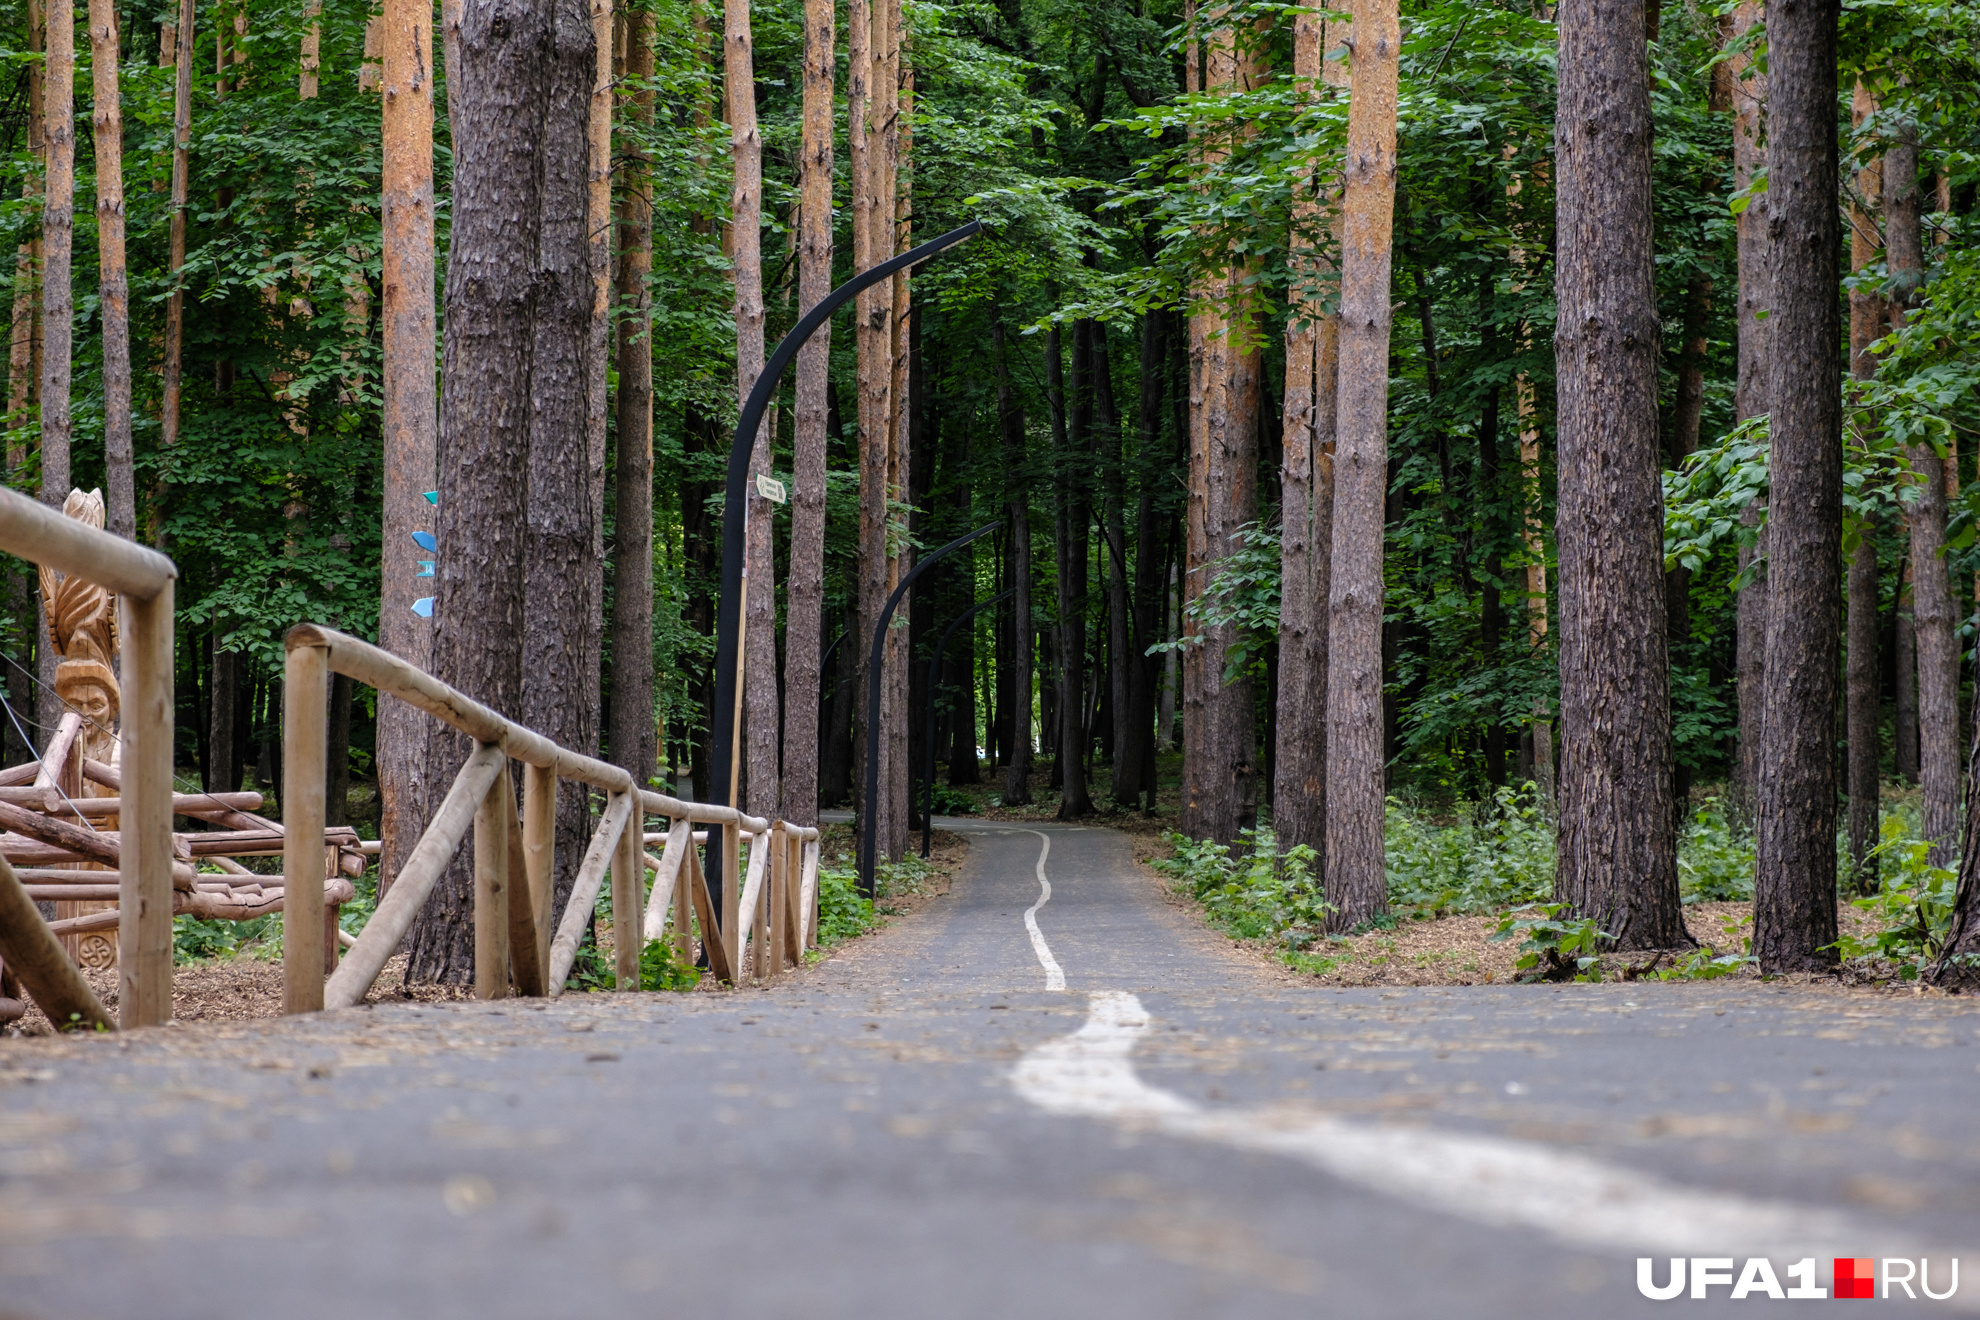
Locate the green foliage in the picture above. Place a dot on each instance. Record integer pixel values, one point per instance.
(843, 912)
(198, 940)
(953, 801)
(1255, 895)
(1554, 948)
(1913, 905)
(1503, 855)
(1715, 857)
(661, 967)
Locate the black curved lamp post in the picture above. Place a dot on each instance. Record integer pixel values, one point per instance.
(928, 720)
(869, 819)
(735, 507)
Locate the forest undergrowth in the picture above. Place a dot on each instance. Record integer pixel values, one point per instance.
(1470, 888)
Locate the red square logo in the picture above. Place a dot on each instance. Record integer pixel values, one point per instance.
(1856, 1278)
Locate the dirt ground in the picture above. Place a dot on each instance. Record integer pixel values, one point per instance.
(250, 986)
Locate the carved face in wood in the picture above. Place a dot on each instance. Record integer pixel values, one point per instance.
(91, 689)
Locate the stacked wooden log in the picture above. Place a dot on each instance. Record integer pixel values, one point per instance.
(51, 830)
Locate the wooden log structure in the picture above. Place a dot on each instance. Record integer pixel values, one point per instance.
(35, 957)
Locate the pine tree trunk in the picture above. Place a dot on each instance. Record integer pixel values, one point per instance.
(631, 725)
(804, 593)
(1794, 920)
(23, 369)
(759, 677)
(518, 95)
(1866, 325)
(57, 297)
(1016, 699)
(893, 96)
(406, 795)
(1618, 846)
(175, 303)
(1138, 747)
(113, 289)
(1934, 615)
(599, 360)
(1686, 413)
(1356, 881)
(1904, 683)
(1756, 296)
(1224, 403)
(1299, 793)
(561, 557)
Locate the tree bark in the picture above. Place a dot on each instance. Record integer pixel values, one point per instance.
(893, 208)
(411, 419)
(561, 557)
(1866, 322)
(759, 677)
(1356, 881)
(1756, 297)
(631, 727)
(1794, 921)
(57, 297)
(1618, 846)
(113, 288)
(1934, 615)
(1016, 699)
(1225, 380)
(512, 454)
(805, 591)
(1071, 429)
(599, 361)
(1299, 794)
(1686, 412)
(1904, 702)
(175, 303)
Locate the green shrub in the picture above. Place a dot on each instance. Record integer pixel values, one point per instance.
(1715, 857)
(1553, 948)
(1502, 857)
(1913, 904)
(843, 912)
(1261, 893)
(661, 967)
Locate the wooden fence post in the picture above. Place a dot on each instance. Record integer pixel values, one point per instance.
(539, 837)
(491, 884)
(780, 880)
(305, 735)
(733, 920)
(628, 885)
(144, 926)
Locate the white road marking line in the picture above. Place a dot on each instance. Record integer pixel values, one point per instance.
(1055, 977)
(1488, 1180)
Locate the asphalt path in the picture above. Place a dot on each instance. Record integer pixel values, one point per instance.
(921, 1127)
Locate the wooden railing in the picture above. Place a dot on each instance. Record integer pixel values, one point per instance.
(772, 896)
(143, 581)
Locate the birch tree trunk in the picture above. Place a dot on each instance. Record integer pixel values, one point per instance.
(759, 677)
(1618, 844)
(633, 734)
(1756, 297)
(113, 288)
(410, 417)
(1356, 881)
(1866, 324)
(1794, 918)
(1934, 616)
(805, 592)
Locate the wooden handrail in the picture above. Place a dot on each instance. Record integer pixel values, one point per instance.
(36, 532)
